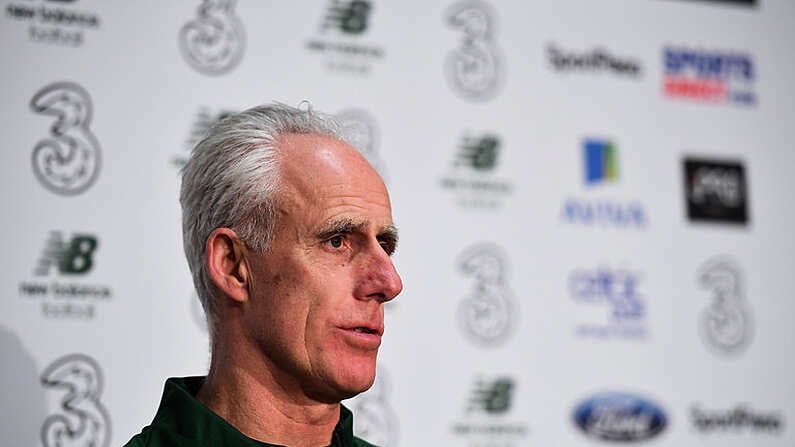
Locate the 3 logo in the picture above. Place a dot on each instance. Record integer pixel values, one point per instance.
(375, 419)
(489, 314)
(361, 131)
(214, 42)
(716, 191)
(621, 417)
(82, 419)
(349, 16)
(68, 161)
(476, 68)
(726, 324)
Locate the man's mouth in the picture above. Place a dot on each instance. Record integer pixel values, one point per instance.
(366, 338)
(364, 327)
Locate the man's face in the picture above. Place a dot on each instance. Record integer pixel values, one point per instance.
(316, 309)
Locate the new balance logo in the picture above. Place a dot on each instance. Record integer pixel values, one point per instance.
(492, 396)
(74, 257)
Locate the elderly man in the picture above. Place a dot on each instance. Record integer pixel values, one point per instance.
(288, 232)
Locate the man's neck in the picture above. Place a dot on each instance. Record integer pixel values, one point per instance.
(263, 409)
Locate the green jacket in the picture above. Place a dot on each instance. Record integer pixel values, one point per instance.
(182, 421)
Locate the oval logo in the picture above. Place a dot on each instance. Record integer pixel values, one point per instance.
(620, 417)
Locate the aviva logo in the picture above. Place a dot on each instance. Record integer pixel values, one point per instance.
(601, 161)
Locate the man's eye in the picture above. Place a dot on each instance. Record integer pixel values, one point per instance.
(336, 242)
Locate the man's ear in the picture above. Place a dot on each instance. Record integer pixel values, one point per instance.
(226, 263)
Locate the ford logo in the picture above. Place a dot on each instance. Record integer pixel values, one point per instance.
(620, 417)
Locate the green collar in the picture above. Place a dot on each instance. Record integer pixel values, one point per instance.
(187, 419)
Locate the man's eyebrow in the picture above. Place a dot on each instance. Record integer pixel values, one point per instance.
(344, 225)
(388, 233)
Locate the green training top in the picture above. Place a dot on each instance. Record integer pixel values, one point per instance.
(183, 421)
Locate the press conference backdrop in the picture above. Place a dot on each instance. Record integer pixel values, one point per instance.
(594, 200)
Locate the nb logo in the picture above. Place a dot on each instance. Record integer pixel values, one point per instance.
(475, 68)
(350, 17)
(492, 397)
(726, 323)
(82, 420)
(213, 43)
(487, 314)
(68, 161)
(72, 258)
(479, 153)
(205, 120)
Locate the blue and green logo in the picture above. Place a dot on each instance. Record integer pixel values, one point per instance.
(601, 161)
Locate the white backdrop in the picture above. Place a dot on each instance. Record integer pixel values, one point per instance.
(530, 291)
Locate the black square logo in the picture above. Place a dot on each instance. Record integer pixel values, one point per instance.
(716, 191)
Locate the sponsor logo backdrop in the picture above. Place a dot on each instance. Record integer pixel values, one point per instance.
(594, 199)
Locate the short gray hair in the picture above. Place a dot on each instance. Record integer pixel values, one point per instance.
(230, 181)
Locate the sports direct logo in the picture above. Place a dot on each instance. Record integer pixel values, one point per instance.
(714, 77)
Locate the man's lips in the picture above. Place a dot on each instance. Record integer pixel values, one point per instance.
(365, 328)
(364, 336)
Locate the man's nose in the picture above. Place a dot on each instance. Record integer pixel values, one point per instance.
(380, 279)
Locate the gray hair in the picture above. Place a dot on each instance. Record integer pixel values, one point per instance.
(230, 181)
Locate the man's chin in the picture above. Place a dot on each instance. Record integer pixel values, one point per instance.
(347, 382)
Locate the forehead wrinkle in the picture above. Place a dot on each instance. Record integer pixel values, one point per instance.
(342, 187)
(352, 200)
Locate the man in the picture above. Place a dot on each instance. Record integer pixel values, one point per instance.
(288, 233)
